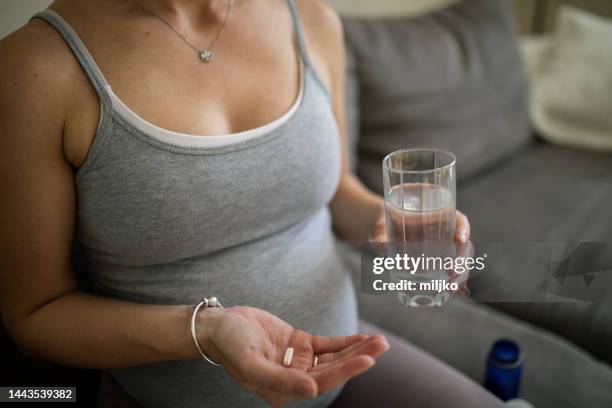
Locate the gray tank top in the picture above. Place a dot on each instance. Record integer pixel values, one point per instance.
(164, 222)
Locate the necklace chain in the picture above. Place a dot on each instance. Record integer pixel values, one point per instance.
(205, 54)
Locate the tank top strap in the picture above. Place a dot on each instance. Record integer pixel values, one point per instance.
(301, 43)
(81, 53)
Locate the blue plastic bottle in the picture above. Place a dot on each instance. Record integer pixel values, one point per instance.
(504, 367)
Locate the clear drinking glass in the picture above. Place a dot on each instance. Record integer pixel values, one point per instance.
(420, 202)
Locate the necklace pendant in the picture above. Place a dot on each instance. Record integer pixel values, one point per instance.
(205, 55)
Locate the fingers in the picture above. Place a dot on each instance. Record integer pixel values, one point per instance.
(379, 237)
(464, 291)
(350, 350)
(379, 231)
(465, 250)
(306, 345)
(343, 357)
(462, 227)
(324, 344)
(283, 380)
(339, 373)
(379, 234)
(373, 347)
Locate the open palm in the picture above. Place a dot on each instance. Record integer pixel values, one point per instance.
(251, 343)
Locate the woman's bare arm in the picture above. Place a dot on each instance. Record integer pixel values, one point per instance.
(355, 209)
(40, 305)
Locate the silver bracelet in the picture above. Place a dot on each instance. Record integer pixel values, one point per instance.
(204, 303)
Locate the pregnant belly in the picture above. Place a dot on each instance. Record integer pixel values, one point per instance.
(295, 274)
(319, 309)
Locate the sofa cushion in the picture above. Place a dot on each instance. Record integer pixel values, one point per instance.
(549, 193)
(588, 325)
(545, 193)
(451, 79)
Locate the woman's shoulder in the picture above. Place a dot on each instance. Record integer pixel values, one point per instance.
(40, 88)
(324, 37)
(36, 61)
(321, 20)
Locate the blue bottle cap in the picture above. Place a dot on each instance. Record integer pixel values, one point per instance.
(505, 353)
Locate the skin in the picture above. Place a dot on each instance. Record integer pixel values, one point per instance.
(48, 117)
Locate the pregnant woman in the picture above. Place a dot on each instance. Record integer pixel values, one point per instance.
(182, 149)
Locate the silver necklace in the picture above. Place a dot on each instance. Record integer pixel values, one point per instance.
(205, 54)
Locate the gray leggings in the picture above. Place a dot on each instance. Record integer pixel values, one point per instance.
(407, 377)
(403, 377)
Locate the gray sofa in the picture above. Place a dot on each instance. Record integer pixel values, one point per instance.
(454, 79)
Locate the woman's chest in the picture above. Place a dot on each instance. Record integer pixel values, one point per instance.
(185, 102)
(162, 80)
(139, 201)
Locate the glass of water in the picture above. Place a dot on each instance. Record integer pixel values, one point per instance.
(420, 202)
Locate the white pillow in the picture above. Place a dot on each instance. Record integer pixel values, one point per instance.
(571, 81)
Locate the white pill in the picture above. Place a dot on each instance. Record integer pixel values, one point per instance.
(288, 357)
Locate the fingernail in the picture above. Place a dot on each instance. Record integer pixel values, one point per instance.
(463, 237)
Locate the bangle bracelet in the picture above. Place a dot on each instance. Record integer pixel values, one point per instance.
(203, 303)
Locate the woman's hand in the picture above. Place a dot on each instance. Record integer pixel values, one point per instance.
(462, 229)
(251, 343)
(464, 247)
